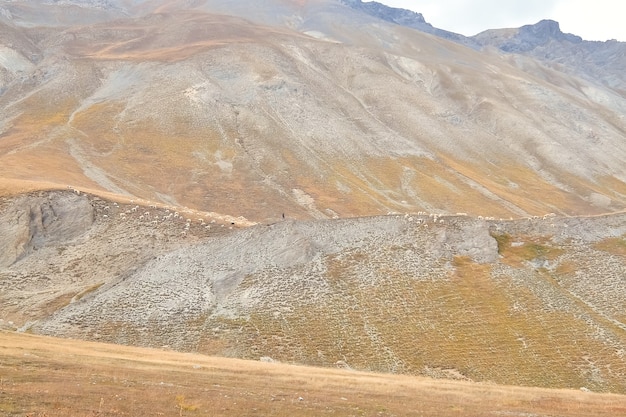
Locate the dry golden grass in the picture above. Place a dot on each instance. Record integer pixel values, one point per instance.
(530, 190)
(146, 159)
(9, 187)
(475, 323)
(42, 376)
(612, 183)
(616, 246)
(376, 183)
(157, 44)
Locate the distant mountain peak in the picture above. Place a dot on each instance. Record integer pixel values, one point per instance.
(546, 26)
(528, 37)
(544, 30)
(407, 18)
(390, 14)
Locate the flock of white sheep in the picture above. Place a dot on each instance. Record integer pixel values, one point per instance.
(154, 215)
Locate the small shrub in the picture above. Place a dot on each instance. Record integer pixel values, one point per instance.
(184, 406)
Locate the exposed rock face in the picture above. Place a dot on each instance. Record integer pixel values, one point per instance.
(530, 37)
(28, 223)
(542, 32)
(203, 279)
(598, 61)
(390, 14)
(407, 18)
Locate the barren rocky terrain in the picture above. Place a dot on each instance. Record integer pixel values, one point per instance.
(303, 182)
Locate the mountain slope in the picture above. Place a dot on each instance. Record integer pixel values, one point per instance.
(191, 108)
(227, 177)
(600, 62)
(597, 62)
(535, 302)
(110, 380)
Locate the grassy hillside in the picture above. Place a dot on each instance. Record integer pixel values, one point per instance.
(533, 302)
(42, 376)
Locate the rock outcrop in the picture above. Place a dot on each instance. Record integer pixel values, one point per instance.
(33, 222)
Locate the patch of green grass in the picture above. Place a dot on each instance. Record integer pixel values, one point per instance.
(504, 242)
(516, 250)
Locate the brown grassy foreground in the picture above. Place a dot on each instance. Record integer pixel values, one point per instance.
(42, 376)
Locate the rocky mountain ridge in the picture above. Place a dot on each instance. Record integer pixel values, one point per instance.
(409, 19)
(591, 60)
(597, 61)
(532, 36)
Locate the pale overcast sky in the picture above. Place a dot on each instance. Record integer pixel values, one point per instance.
(591, 19)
